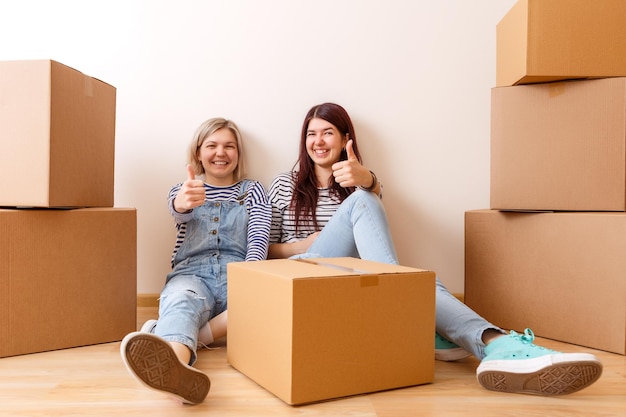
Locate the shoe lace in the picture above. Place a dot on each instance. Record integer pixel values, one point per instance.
(527, 338)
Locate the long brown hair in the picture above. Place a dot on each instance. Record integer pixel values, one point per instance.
(305, 194)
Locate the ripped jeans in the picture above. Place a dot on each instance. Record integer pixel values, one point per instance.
(188, 301)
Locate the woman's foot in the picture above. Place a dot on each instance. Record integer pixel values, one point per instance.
(512, 363)
(447, 351)
(152, 361)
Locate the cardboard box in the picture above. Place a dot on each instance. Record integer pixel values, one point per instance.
(561, 274)
(549, 40)
(559, 146)
(67, 278)
(57, 136)
(318, 329)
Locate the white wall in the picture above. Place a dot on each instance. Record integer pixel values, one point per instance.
(414, 75)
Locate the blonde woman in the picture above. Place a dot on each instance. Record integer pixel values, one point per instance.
(220, 218)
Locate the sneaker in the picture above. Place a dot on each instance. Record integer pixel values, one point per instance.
(514, 364)
(447, 351)
(152, 361)
(148, 327)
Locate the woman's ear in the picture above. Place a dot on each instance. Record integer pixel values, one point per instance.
(198, 164)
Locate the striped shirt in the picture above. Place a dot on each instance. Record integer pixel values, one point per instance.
(257, 206)
(283, 228)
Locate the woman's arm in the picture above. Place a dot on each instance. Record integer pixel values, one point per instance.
(179, 217)
(279, 195)
(260, 216)
(286, 250)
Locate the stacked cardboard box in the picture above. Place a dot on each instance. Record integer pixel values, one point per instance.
(549, 253)
(67, 256)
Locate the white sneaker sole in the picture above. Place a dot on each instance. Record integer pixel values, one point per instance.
(152, 361)
(557, 374)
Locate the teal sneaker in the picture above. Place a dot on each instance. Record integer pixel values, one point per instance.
(512, 363)
(447, 351)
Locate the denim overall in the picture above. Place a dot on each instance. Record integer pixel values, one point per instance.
(196, 289)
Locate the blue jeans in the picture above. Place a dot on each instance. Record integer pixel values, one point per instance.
(458, 323)
(359, 228)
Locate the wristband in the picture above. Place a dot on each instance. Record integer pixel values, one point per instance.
(374, 183)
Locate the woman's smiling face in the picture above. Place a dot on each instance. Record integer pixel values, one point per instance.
(324, 142)
(219, 156)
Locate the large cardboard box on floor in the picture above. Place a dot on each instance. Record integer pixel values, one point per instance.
(561, 274)
(67, 278)
(559, 146)
(548, 40)
(57, 134)
(318, 329)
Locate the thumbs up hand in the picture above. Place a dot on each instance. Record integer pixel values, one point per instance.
(191, 193)
(350, 173)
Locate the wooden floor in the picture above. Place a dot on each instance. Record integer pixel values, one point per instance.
(92, 381)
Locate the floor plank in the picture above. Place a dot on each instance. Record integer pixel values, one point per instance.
(92, 381)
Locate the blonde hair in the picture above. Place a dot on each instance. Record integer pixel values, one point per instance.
(205, 130)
